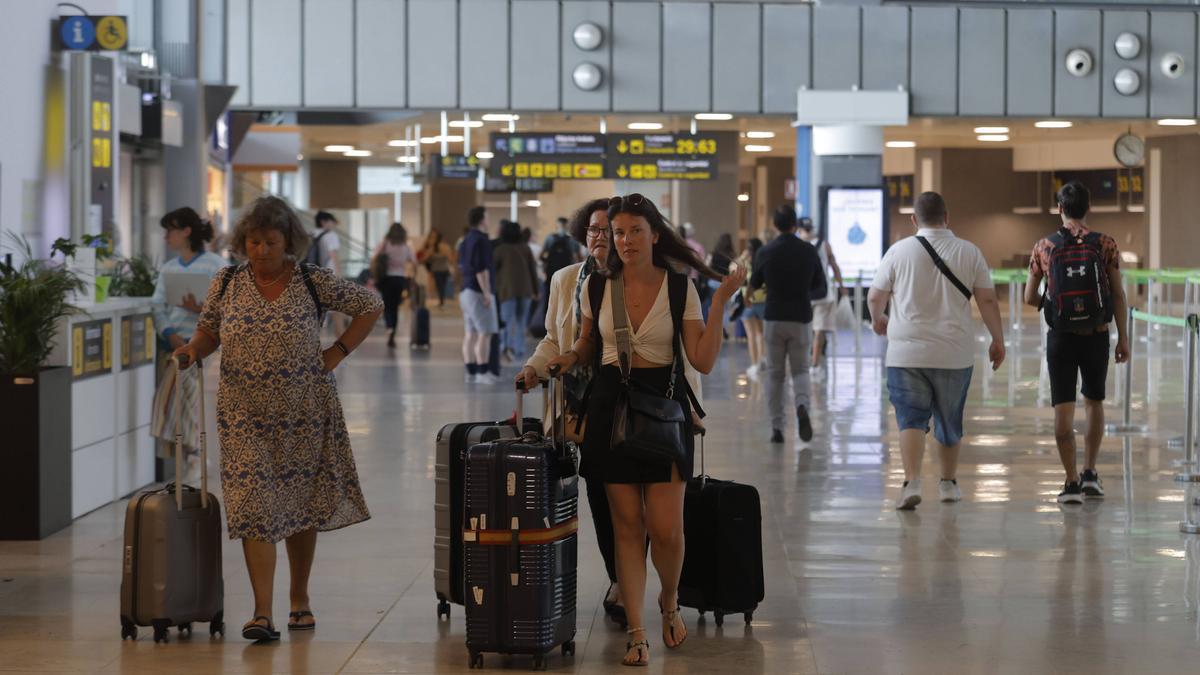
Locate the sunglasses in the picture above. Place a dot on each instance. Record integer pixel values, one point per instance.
(631, 200)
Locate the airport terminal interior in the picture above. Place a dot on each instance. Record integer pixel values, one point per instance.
(172, 175)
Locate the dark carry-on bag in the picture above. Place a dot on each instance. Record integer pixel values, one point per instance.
(171, 567)
(420, 324)
(722, 563)
(452, 443)
(520, 544)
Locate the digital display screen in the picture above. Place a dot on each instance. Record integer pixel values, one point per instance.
(855, 224)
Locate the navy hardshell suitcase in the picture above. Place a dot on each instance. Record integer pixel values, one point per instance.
(722, 563)
(420, 324)
(520, 547)
(452, 443)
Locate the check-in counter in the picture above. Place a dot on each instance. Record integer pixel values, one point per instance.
(110, 348)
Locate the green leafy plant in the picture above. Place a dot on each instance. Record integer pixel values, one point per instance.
(33, 300)
(134, 277)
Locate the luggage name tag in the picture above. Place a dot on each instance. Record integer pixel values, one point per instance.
(478, 593)
(512, 483)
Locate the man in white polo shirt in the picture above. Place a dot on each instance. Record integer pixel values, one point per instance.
(930, 279)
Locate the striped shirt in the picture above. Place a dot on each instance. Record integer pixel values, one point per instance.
(170, 320)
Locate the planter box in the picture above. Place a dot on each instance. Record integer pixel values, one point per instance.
(35, 485)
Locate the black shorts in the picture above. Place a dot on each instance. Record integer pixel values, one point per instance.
(1071, 357)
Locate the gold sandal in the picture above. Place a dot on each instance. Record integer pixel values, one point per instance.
(639, 646)
(670, 615)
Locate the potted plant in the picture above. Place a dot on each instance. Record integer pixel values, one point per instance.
(35, 401)
(134, 277)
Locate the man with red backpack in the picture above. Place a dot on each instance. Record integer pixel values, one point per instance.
(1083, 295)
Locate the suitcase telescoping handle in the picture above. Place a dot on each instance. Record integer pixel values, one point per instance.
(557, 407)
(182, 365)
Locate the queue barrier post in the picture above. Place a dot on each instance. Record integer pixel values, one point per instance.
(1190, 523)
(1127, 426)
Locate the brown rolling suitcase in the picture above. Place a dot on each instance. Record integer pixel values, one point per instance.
(171, 566)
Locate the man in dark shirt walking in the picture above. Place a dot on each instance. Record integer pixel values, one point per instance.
(791, 270)
(478, 303)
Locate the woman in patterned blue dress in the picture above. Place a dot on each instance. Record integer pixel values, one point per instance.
(287, 470)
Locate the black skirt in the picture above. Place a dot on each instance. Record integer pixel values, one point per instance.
(602, 462)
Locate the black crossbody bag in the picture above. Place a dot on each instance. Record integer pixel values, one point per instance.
(944, 268)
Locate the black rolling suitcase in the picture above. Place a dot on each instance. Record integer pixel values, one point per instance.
(171, 567)
(520, 546)
(452, 443)
(722, 563)
(420, 322)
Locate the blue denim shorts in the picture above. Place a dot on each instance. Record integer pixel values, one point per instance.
(920, 393)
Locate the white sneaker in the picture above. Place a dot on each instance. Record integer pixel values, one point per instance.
(471, 378)
(486, 378)
(948, 491)
(910, 496)
(752, 372)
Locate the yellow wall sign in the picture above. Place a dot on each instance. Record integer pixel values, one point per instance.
(91, 348)
(561, 170)
(137, 340)
(112, 33)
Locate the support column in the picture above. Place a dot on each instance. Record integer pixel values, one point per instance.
(711, 206)
(1172, 200)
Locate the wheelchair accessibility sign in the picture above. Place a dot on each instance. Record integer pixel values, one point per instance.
(90, 33)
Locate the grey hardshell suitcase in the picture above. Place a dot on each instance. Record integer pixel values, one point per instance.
(520, 546)
(452, 443)
(171, 567)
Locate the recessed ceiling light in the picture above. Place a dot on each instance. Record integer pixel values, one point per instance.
(462, 124)
(645, 126)
(760, 134)
(501, 117)
(408, 160)
(743, 197)
(758, 148)
(991, 130)
(339, 148)
(993, 138)
(357, 153)
(484, 154)
(1176, 123)
(402, 143)
(533, 203)
(901, 144)
(429, 140)
(1053, 124)
(714, 117)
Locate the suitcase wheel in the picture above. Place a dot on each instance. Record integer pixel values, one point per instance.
(128, 630)
(162, 631)
(749, 616)
(539, 661)
(217, 624)
(476, 660)
(568, 648)
(443, 610)
(185, 629)
(720, 617)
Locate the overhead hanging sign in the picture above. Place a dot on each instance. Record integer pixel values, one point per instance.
(561, 156)
(90, 33)
(455, 167)
(662, 156)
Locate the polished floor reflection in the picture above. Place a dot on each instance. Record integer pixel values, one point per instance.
(1005, 582)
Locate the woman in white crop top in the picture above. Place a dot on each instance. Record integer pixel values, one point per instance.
(645, 498)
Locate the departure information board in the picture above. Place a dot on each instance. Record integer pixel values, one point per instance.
(574, 156)
(511, 184)
(662, 156)
(455, 167)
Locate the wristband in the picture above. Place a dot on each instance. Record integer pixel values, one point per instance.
(342, 347)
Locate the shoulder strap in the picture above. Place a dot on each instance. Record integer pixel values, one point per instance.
(621, 329)
(306, 274)
(944, 268)
(677, 294)
(226, 277)
(596, 283)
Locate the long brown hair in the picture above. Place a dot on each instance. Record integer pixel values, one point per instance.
(671, 252)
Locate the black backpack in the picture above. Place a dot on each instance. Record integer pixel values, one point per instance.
(559, 252)
(1078, 295)
(313, 255)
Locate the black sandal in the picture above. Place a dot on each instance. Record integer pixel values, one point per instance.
(294, 623)
(670, 615)
(258, 633)
(613, 609)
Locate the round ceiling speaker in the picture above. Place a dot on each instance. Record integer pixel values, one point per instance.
(588, 36)
(1127, 82)
(587, 76)
(1128, 46)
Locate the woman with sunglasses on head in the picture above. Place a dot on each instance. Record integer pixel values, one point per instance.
(645, 274)
(589, 226)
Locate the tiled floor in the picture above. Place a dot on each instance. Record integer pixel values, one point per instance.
(1005, 582)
